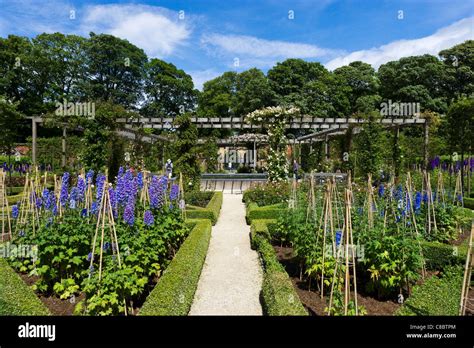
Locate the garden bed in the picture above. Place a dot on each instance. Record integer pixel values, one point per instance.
(77, 269)
(311, 299)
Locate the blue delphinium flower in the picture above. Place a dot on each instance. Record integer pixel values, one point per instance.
(64, 189)
(15, 211)
(398, 193)
(129, 212)
(113, 201)
(174, 192)
(94, 208)
(106, 246)
(81, 189)
(120, 172)
(382, 212)
(89, 177)
(140, 180)
(381, 190)
(73, 198)
(55, 210)
(49, 222)
(417, 201)
(148, 218)
(22, 233)
(425, 197)
(89, 256)
(39, 203)
(360, 210)
(84, 212)
(157, 191)
(100, 181)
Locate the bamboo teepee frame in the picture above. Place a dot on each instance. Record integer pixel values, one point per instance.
(6, 222)
(347, 242)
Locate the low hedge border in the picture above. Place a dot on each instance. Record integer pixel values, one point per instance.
(254, 212)
(438, 255)
(211, 211)
(436, 296)
(174, 292)
(17, 298)
(468, 203)
(278, 294)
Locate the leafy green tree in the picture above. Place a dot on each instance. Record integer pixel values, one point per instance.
(460, 120)
(459, 63)
(369, 144)
(218, 96)
(169, 90)
(64, 60)
(302, 84)
(252, 92)
(360, 81)
(9, 119)
(15, 72)
(102, 145)
(185, 152)
(417, 79)
(115, 70)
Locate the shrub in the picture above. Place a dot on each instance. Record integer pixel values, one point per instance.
(468, 203)
(198, 198)
(438, 255)
(211, 211)
(260, 227)
(278, 294)
(268, 193)
(437, 295)
(267, 212)
(174, 293)
(16, 298)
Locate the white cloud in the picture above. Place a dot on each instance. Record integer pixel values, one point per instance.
(157, 30)
(249, 46)
(201, 76)
(443, 38)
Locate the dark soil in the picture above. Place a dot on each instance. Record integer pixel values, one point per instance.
(462, 237)
(55, 305)
(312, 301)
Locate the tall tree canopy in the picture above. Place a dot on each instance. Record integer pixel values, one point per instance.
(115, 70)
(459, 63)
(419, 79)
(169, 90)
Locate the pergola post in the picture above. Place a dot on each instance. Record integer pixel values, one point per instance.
(326, 146)
(63, 145)
(425, 147)
(254, 155)
(33, 140)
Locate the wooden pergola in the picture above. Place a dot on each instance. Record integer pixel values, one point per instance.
(321, 127)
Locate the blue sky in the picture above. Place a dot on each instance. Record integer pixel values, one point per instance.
(208, 37)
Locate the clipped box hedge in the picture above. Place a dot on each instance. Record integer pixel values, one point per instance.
(254, 212)
(17, 298)
(468, 203)
(260, 226)
(174, 292)
(211, 211)
(436, 296)
(438, 255)
(278, 294)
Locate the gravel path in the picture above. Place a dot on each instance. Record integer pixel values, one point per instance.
(231, 278)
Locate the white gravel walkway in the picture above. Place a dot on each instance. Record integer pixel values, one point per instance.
(231, 278)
